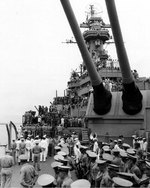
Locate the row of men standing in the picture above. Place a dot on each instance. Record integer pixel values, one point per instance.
(22, 146)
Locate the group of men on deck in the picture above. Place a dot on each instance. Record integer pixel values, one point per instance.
(98, 164)
(25, 146)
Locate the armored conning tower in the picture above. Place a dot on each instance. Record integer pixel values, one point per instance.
(118, 113)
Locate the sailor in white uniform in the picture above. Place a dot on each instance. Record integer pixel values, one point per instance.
(28, 148)
(44, 147)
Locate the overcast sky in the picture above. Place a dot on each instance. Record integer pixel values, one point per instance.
(34, 61)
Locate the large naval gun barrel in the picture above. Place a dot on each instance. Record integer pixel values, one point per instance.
(102, 97)
(131, 97)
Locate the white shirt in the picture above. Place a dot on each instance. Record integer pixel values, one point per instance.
(28, 144)
(43, 144)
(145, 146)
(95, 147)
(77, 153)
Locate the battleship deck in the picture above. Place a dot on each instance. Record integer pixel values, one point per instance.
(45, 169)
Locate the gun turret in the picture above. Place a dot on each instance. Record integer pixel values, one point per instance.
(102, 97)
(131, 97)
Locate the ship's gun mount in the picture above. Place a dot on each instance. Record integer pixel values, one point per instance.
(102, 97)
(131, 97)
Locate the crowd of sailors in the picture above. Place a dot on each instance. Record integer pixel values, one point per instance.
(95, 164)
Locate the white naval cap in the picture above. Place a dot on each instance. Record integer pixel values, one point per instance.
(64, 168)
(126, 145)
(131, 151)
(58, 157)
(62, 153)
(45, 179)
(122, 182)
(83, 147)
(56, 164)
(92, 154)
(23, 157)
(81, 183)
(107, 156)
(57, 148)
(100, 162)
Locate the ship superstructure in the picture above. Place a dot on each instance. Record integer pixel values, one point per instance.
(72, 107)
(96, 35)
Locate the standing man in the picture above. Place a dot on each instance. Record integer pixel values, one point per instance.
(18, 141)
(44, 147)
(36, 150)
(6, 163)
(76, 149)
(13, 149)
(47, 140)
(93, 168)
(51, 147)
(145, 145)
(102, 170)
(22, 148)
(64, 179)
(28, 173)
(28, 148)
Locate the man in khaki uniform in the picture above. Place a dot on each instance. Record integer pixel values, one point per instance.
(6, 163)
(13, 149)
(65, 178)
(36, 150)
(28, 174)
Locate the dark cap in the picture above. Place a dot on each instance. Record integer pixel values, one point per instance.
(113, 167)
(36, 142)
(8, 151)
(115, 151)
(132, 157)
(126, 175)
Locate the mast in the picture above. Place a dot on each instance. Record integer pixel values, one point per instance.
(102, 97)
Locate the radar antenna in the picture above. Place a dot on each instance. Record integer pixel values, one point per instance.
(92, 11)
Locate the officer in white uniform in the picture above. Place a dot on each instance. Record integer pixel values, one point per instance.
(44, 147)
(28, 148)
